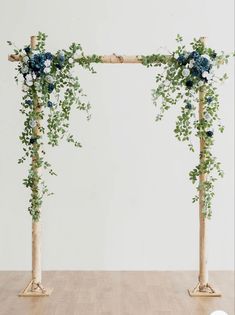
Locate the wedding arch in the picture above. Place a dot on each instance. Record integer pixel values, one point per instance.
(50, 91)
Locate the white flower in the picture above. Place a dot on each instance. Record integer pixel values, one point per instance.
(191, 63)
(29, 77)
(25, 69)
(186, 72)
(167, 83)
(25, 88)
(71, 60)
(176, 56)
(39, 94)
(207, 116)
(25, 59)
(29, 83)
(32, 123)
(37, 85)
(35, 52)
(205, 74)
(49, 79)
(47, 70)
(61, 53)
(76, 56)
(47, 63)
(206, 56)
(200, 83)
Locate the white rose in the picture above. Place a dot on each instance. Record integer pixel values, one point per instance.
(47, 70)
(176, 56)
(71, 60)
(47, 63)
(206, 56)
(186, 72)
(191, 63)
(205, 74)
(167, 83)
(24, 69)
(39, 94)
(76, 56)
(207, 116)
(29, 83)
(32, 123)
(29, 77)
(25, 88)
(25, 59)
(49, 79)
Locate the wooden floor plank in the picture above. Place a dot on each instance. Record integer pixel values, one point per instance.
(115, 293)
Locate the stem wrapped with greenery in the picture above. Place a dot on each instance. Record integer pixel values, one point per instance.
(50, 92)
(185, 74)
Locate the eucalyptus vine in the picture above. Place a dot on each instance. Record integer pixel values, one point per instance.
(185, 74)
(50, 91)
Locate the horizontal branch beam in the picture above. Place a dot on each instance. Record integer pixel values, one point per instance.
(120, 59)
(104, 59)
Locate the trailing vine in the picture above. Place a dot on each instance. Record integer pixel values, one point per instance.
(50, 91)
(185, 74)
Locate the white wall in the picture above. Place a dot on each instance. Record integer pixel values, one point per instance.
(124, 200)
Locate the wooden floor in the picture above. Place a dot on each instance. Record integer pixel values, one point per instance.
(115, 293)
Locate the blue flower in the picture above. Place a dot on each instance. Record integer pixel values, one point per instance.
(59, 66)
(32, 140)
(189, 84)
(188, 106)
(49, 104)
(28, 102)
(61, 58)
(209, 99)
(51, 87)
(48, 56)
(195, 72)
(27, 50)
(37, 63)
(209, 133)
(194, 55)
(182, 60)
(204, 63)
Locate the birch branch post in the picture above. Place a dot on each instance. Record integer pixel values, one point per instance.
(203, 288)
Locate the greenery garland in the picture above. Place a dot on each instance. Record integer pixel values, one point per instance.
(51, 90)
(185, 74)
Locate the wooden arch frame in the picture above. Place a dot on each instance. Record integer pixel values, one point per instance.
(203, 288)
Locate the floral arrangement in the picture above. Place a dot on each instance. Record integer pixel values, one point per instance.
(50, 91)
(189, 78)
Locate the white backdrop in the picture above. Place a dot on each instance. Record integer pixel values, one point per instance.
(123, 201)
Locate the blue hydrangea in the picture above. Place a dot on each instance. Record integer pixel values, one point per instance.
(194, 55)
(189, 84)
(182, 60)
(51, 87)
(209, 99)
(37, 63)
(49, 104)
(209, 133)
(188, 106)
(48, 56)
(27, 50)
(29, 102)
